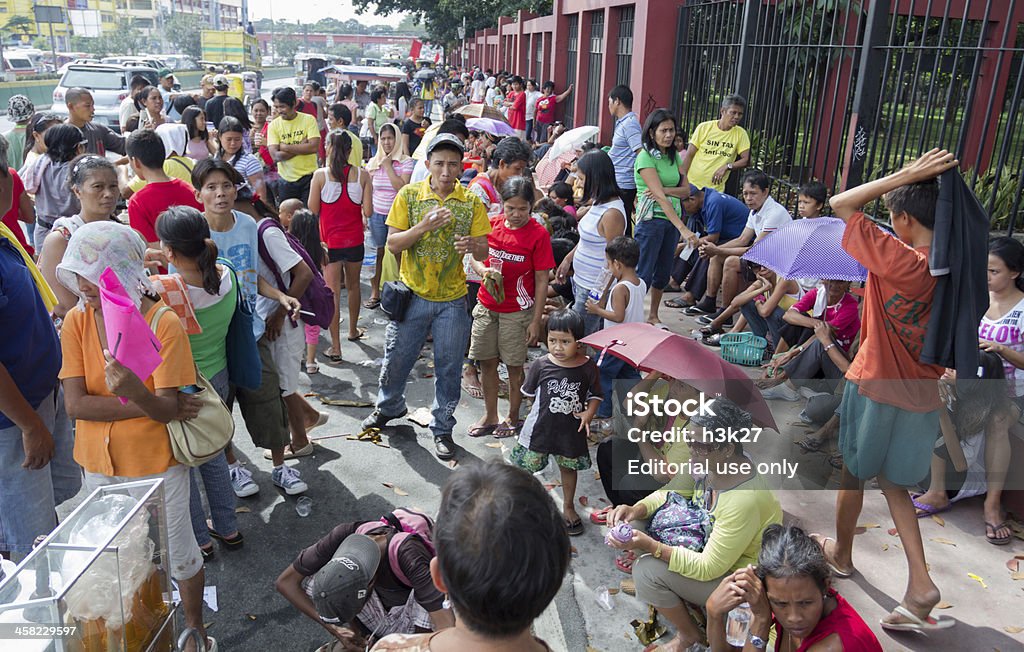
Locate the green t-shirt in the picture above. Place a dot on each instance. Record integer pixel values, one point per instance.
(15, 147)
(668, 173)
(208, 348)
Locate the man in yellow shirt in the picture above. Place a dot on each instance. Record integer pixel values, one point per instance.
(431, 226)
(293, 139)
(717, 147)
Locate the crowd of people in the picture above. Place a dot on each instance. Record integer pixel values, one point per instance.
(216, 213)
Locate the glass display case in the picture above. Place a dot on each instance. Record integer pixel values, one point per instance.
(97, 583)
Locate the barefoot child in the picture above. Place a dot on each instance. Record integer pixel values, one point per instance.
(566, 386)
(306, 227)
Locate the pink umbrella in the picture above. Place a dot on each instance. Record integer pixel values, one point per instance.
(549, 167)
(490, 126)
(649, 348)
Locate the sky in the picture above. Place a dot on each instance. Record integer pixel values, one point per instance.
(314, 10)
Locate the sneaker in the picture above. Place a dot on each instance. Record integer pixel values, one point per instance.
(781, 392)
(287, 478)
(242, 482)
(378, 420)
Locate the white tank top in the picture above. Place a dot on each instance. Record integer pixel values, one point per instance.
(635, 308)
(331, 192)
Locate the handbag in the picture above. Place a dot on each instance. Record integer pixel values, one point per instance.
(245, 369)
(680, 522)
(394, 299)
(199, 440)
(645, 205)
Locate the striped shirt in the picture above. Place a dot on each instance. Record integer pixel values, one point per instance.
(589, 259)
(626, 140)
(383, 192)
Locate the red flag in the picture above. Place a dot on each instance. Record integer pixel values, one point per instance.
(414, 51)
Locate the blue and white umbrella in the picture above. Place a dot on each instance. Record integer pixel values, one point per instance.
(809, 248)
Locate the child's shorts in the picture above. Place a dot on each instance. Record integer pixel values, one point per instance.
(312, 333)
(883, 440)
(533, 461)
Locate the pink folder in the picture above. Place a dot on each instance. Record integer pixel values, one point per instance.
(129, 338)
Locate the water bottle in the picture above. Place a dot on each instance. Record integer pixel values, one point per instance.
(369, 263)
(602, 283)
(737, 627)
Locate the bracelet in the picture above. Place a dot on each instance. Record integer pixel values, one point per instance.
(829, 346)
(657, 551)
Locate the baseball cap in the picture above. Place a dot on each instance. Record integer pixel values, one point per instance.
(449, 139)
(220, 81)
(164, 72)
(341, 588)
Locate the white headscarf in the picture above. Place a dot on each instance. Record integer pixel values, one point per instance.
(96, 246)
(175, 137)
(398, 153)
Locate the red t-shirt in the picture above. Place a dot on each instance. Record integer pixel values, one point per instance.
(517, 112)
(341, 221)
(11, 218)
(147, 204)
(546, 109)
(522, 252)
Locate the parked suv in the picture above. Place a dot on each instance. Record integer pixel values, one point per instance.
(109, 86)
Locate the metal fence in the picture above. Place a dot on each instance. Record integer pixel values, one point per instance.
(594, 64)
(844, 90)
(572, 47)
(624, 51)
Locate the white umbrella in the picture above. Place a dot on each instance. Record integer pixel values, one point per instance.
(571, 139)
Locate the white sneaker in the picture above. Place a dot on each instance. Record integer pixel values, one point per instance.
(807, 392)
(242, 483)
(287, 479)
(782, 392)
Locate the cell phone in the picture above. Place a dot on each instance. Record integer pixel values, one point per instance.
(209, 126)
(191, 389)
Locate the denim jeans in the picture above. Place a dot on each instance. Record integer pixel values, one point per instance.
(759, 325)
(217, 482)
(449, 323)
(591, 322)
(613, 369)
(28, 498)
(657, 239)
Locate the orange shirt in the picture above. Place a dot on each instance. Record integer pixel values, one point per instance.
(130, 447)
(897, 305)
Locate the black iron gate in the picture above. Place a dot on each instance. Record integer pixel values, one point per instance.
(846, 90)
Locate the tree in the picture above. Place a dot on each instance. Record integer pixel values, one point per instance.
(286, 46)
(22, 24)
(443, 18)
(184, 31)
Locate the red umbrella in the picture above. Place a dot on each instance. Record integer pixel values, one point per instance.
(650, 348)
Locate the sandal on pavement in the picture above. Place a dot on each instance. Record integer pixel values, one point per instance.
(503, 430)
(290, 454)
(838, 572)
(624, 561)
(575, 528)
(677, 302)
(810, 444)
(335, 358)
(371, 303)
(600, 517)
(482, 431)
(924, 509)
(361, 334)
(836, 460)
(208, 553)
(915, 623)
(312, 368)
(998, 541)
(475, 392)
(231, 542)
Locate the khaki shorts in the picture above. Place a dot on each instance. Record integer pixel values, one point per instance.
(499, 335)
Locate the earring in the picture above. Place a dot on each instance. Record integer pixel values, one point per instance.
(446, 604)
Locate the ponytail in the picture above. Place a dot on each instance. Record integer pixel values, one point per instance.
(185, 231)
(341, 148)
(206, 261)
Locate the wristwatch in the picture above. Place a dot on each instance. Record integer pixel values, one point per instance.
(758, 642)
(728, 165)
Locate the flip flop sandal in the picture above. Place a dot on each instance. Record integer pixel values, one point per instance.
(924, 509)
(207, 553)
(677, 302)
(482, 431)
(600, 517)
(917, 624)
(503, 430)
(575, 528)
(475, 392)
(361, 335)
(625, 561)
(312, 368)
(231, 542)
(810, 444)
(998, 541)
(334, 358)
(289, 454)
(836, 461)
(838, 572)
(371, 304)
